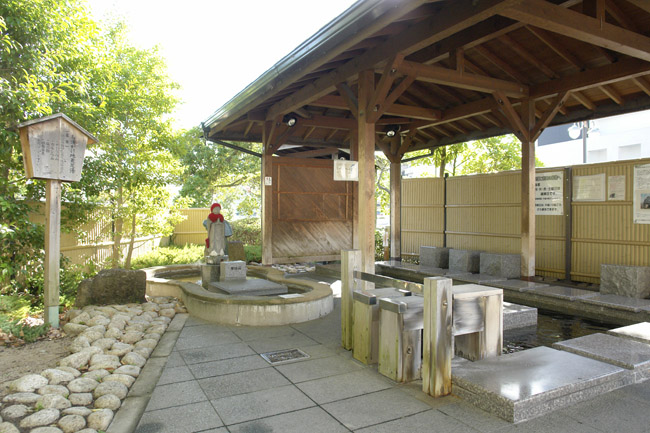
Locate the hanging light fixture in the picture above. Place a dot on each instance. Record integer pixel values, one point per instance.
(290, 120)
(392, 130)
(574, 131)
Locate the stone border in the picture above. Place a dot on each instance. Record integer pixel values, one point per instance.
(317, 300)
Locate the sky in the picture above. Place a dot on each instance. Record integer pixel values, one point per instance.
(216, 48)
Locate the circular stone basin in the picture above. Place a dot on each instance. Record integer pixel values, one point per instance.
(316, 300)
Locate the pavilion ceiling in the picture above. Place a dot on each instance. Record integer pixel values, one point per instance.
(451, 71)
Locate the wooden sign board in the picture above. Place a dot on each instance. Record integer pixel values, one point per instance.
(346, 170)
(54, 148)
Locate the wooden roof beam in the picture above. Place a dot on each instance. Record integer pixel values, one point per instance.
(311, 153)
(584, 100)
(575, 25)
(619, 16)
(411, 111)
(451, 19)
(526, 55)
(556, 46)
(450, 77)
(329, 122)
(612, 94)
(501, 64)
(642, 84)
(641, 4)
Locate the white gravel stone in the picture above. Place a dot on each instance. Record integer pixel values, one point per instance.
(28, 383)
(131, 337)
(76, 360)
(72, 371)
(97, 375)
(82, 318)
(152, 336)
(6, 427)
(22, 398)
(56, 376)
(131, 370)
(113, 332)
(87, 430)
(78, 410)
(99, 320)
(124, 379)
(150, 306)
(92, 335)
(166, 305)
(108, 401)
(72, 423)
(106, 362)
(144, 320)
(78, 344)
(120, 349)
(151, 315)
(104, 343)
(143, 351)
(14, 411)
(147, 342)
(48, 429)
(167, 312)
(53, 401)
(100, 419)
(133, 358)
(80, 398)
(158, 329)
(54, 389)
(163, 320)
(40, 418)
(116, 388)
(83, 384)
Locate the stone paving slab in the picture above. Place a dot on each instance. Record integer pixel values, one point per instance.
(614, 350)
(518, 285)
(333, 388)
(292, 341)
(317, 368)
(639, 332)
(619, 302)
(216, 353)
(227, 366)
(527, 384)
(313, 420)
(478, 278)
(249, 287)
(562, 292)
(518, 316)
(175, 374)
(423, 422)
(241, 383)
(191, 417)
(176, 394)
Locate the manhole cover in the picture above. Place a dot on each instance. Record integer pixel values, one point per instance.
(282, 356)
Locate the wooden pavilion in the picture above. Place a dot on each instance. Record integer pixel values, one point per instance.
(407, 75)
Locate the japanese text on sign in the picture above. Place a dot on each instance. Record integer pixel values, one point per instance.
(549, 193)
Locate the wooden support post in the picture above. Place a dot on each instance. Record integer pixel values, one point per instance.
(354, 156)
(52, 251)
(267, 195)
(396, 211)
(350, 261)
(436, 338)
(367, 203)
(528, 192)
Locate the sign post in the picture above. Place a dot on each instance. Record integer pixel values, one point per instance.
(53, 149)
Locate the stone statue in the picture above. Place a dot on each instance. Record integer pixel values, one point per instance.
(218, 230)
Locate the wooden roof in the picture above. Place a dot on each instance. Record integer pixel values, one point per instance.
(447, 71)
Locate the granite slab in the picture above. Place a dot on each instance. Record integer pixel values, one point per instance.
(611, 349)
(561, 292)
(518, 316)
(249, 287)
(632, 281)
(464, 260)
(518, 285)
(638, 332)
(528, 384)
(436, 257)
(478, 278)
(619, 302)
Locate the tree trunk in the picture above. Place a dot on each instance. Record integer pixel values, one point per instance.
(118, 224)
(127, 261)
(443, 161)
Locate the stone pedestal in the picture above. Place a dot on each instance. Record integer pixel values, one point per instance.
(434, 257)
(209, 274)
(232, 271)
(501, 265)
(464, 260)
(630, 281)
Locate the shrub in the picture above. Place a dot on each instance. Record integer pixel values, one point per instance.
(253, 253)
(247, 230)
(22, 330)
(171, 255)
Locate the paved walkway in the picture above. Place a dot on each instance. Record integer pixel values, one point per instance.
(215, 381)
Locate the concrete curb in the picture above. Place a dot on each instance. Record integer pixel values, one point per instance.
(128, 416)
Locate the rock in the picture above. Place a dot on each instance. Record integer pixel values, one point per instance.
(77, 410)
(28, 383)
(104, 343)
(151, 315)
(167, 312)
(56, 376)
(80, 399)
(82, 319)
(132, 337)
(48, 429)
(133, 358)
(15, 411)
(100, 419)
(108, 401)
(100, 319)
(54, 389)
(21, 398)
(158, 329)
(116, 388)
(40, 418)
(78, 344)
(152, 336)
(143, 351)
(148, 343)
(53, 401)
(120, 349)
(6, 427)
(72, 313)
(150, 307)
(163, 320)
(113, 332)
(97, 375)
(72, 371)
(76, 360)
(131, 370)
(72, 423)
(92, 335)
(137, 327)
(113, 286)
(124, 379)
(144, 320)
(105, 362)
(83, 384)
(74, 328)
(87, 430)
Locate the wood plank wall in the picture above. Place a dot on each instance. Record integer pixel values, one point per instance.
(483, 213)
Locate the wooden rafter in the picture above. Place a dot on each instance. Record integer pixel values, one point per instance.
(349, 97)
(500, 63)
(416, 112)
(584, 100)
(612, 93)
(329, 122)
(557, 19)
(642, 4)
(642, 84)
(511, 114)
(619, 16)
(383, 106)
(548, 115)
(311, 153)
(529, 57)
(388, 76)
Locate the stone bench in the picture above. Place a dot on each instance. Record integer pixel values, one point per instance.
(464, 260)
(630, 281)
(434, 257)
(501, 265)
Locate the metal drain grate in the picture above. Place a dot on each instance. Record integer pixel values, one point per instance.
(282, 356)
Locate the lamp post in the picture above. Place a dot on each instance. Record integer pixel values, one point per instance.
(53, 149)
